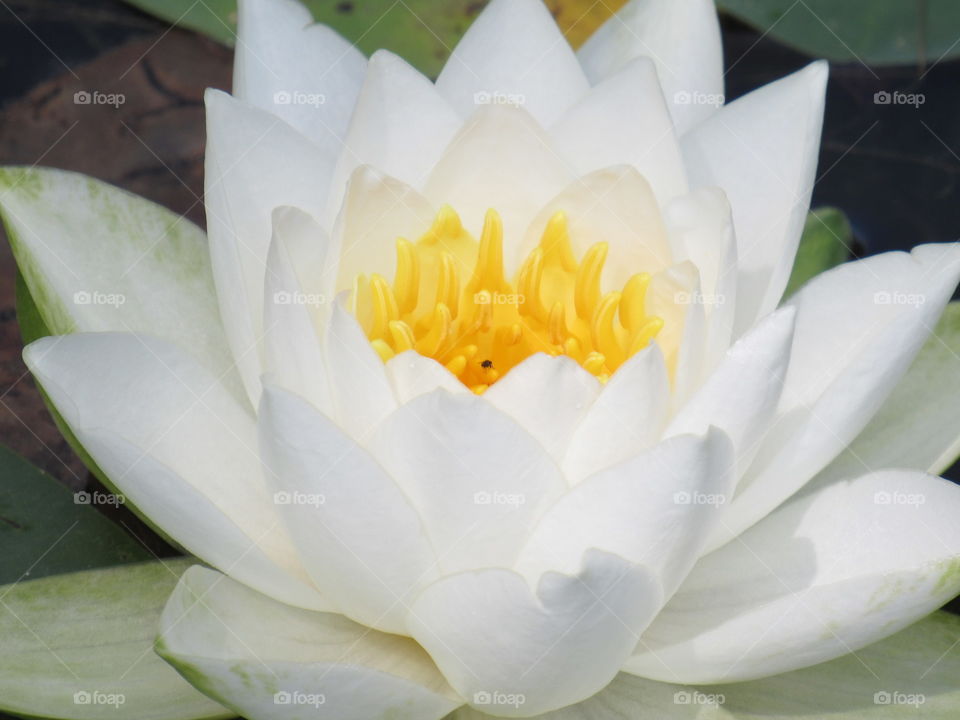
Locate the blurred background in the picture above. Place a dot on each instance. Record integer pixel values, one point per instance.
(890, 157)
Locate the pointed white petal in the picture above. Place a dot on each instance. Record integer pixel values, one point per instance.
(516, 52)
(268, 661)
(762, 151)
(413, 375)
(681, 37)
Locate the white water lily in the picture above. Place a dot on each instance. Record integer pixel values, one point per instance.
(555, 446)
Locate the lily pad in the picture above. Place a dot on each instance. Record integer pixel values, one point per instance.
(827, 242)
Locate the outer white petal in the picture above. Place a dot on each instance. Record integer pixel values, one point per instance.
(515, 51)
(295, 305)
(268, 661)
(476, 477)
(255, 162)
(700, 229)
(501, 159)
(627, 418)
(740, 397)
(362, 395)
(357, 534)
(918, 426)
(656, 510)
(624, 120)
(305, 74)
(413, 375)
(858, 328)
(401, 125)
(179, 447)
(548, 396)
(762, 151)
(376, 210)
(532, 651)
(821, 577)
(96, 258)
(615, 205)
(681, 36)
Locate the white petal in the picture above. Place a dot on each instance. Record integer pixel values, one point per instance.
(656, 510)
(490, 633)
(413, 375)
(362, 394)
(295, 300)
(615, 205)
(401, 125)
(821, 577)
(762, 151)
(357, 534)
(149, 271)
(268, 661)
(918, 426)
(476, 477)
(683, 38)
(741, 396)
(376, 210)
(624, 121)
(305, 74)
(627, 418)
(501, 159)
(858, 328)
(254, 163)
(548, 396)
(515, 51)
(179, 447)
(700, 228)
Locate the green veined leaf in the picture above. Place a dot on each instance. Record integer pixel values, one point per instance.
(895, 32)
(45, 528)
(80, 646)
(826, 242)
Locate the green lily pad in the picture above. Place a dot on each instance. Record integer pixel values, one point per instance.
(827, 241)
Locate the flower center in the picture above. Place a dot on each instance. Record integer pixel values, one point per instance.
(480, 329)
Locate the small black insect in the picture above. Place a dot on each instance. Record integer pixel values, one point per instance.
(487, 364)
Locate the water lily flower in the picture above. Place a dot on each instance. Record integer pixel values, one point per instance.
(479, 396)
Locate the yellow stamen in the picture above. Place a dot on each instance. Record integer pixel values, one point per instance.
(481, 329)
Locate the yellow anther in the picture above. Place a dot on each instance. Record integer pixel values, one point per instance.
(401, 336)
(646, 333)
(633, 301)
(479, 389)
(384, 306)
(383, 350)
(529, 285)
(594, 363)
(556, 243)
(604, 333)
(557, 327)
(587, 287)
(406, 281)
(448, 285)
(571, 348)
(457, 365)
(448, 222)
(488, 273)
(438, 334)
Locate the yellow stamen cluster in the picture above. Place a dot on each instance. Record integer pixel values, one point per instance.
(481, 329)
